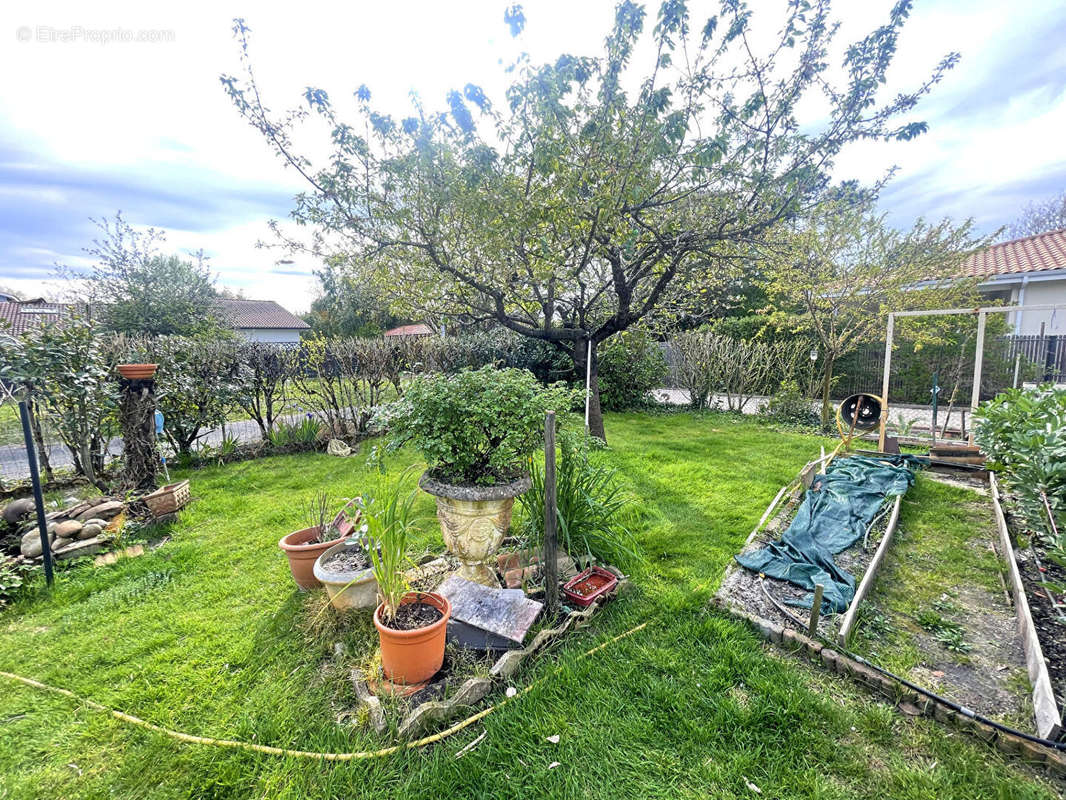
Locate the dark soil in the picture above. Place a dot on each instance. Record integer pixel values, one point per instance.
(412, 616)
(351, 559)
(1051, 632)
(590, 585)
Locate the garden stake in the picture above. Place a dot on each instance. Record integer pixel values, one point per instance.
(816, 608)
(38, 498)
(551, 566)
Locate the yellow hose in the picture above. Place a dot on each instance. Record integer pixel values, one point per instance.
(284, 751)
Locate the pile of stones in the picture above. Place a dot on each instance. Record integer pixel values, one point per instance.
(79, 529)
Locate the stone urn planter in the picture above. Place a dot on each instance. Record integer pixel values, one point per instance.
(473, 522)
(347, 588)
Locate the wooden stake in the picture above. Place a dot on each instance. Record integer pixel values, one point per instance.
(978, 363)
(884, 380)
(551, 566)
(816, 609)
(868, 577)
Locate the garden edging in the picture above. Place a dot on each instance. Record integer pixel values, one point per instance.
(906, 700)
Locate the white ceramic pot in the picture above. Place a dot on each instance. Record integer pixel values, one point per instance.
(347, 589)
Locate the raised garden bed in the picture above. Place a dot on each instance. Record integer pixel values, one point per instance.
(987, 669)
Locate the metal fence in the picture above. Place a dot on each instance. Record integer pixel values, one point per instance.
(1008, 361)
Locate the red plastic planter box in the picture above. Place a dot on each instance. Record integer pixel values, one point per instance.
(589, 586)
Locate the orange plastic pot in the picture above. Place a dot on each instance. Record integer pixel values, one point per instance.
(414, 656)
(302, 555)
(137, 371)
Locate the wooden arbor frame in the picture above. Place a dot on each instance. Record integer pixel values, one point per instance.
(981, 313)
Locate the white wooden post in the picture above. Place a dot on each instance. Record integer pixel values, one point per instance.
(588, 383)
(978, 364)
(884, 380)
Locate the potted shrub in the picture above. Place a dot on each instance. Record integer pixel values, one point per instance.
(411, 625)
(304, 546)
(476, 430)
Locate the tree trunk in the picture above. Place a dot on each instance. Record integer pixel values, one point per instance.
(581, 367)
(827, 382)
(139, 454)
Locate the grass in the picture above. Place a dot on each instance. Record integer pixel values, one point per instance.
(208, 635)
(941, 544)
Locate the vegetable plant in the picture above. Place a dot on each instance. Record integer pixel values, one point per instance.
(1023, 432)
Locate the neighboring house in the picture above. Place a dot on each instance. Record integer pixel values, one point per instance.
(1026, 272)
(255, 320)
(263, 321)
(410, 330)
(18, 317)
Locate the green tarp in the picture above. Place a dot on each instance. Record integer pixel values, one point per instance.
(835, 513)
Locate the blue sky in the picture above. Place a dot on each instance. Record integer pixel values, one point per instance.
(88, 127)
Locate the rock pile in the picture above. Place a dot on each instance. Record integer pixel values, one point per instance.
(80, 529)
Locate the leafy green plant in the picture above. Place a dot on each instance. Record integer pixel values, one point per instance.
(303, 433)
(386, 524)
(476, 426)
(789, 406)
(1023, 432)
(13, 579)
(590, 506)
(631, 365)
(949, 634)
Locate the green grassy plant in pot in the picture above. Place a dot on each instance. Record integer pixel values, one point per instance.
(410, 625)
(303, 547)
(476, 429)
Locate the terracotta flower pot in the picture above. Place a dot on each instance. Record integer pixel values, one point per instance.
(414, 656)
(473, 521)
(302, 555)
(137, 371)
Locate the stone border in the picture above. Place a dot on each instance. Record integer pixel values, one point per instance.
(907, 700)
(472, 690)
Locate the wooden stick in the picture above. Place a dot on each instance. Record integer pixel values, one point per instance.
(884, 381)
(816, 609)
(868, 578)
(1048, 720)
(551, 519)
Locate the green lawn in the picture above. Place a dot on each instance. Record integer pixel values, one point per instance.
(207, 635)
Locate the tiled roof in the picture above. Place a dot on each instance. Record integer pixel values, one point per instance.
(410, 330)
(260, 314)
(1040, 253)
(17, 318)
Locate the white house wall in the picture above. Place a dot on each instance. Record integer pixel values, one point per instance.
(272, 335)
(1038, 293)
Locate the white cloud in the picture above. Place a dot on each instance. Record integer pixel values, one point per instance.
(153, 115)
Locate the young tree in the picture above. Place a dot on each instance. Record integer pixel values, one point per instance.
(838, 271)
(350, 304)
(570, 212)
(1040, 217)
(137, 290)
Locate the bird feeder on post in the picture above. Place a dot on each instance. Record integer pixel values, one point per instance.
(137, 420)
